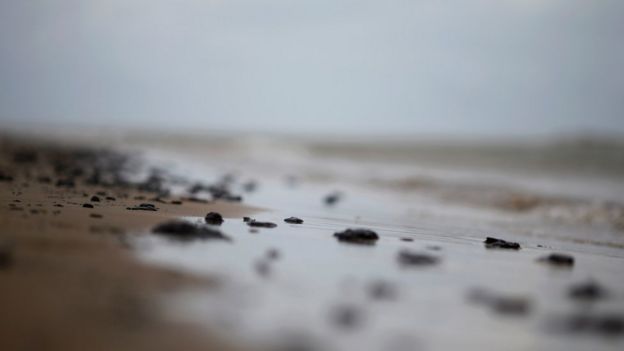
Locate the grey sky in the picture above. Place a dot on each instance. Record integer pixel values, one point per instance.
(409, 66)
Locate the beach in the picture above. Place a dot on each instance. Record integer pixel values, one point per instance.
(82, 265)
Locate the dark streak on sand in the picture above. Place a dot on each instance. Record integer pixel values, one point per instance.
(408, 258)
(503, 304)
(587, 291)
(185, 231)
(258, 224)
(6, 255)
(591, 323)
(143, 207)
(558, 259)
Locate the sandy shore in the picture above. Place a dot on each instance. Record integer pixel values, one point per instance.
(68, 278)
(80, 266)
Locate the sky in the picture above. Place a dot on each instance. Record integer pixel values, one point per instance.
(480, 67)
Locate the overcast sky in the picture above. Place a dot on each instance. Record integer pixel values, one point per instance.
(371, 66)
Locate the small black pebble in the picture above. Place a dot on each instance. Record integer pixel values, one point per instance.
(558, 259)
(494, 243)
(408, 258)
(6, 255)
(293, 220)
(250, 186)
(263, 268)
(44, 179)
(502, 304)
(331, 199)
(87, 205)
(214, 218)
(347, 317)
(183, 230)
(407, 239)
(587, 291)
(273, 254)
(176, 202)
(381, 290)
(254, 223)
(590, 323)
(95, 199)
(357, 236)
(65, 183)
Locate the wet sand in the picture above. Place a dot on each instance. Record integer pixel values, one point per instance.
(426, 280)
(69, 279)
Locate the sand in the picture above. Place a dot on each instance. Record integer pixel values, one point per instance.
(69, 281)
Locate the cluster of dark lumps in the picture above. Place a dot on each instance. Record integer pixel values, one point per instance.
(70, 167)
(221, 190)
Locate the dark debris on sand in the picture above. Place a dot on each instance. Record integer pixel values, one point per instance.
(6, 255)
(219, 191)
(606, 325)
(502, 304)
(558, 259)
(87, 205)
(143, 207)
(4, 177)
(587, 291)
(382, 290)
(494, 243)
(263, 268)
(332, 199)
(273, 254)
(293, 220)
(409, 258)
(184, 230)
(347, 317)
(213, 218)
(258, 224)
(357, 236)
